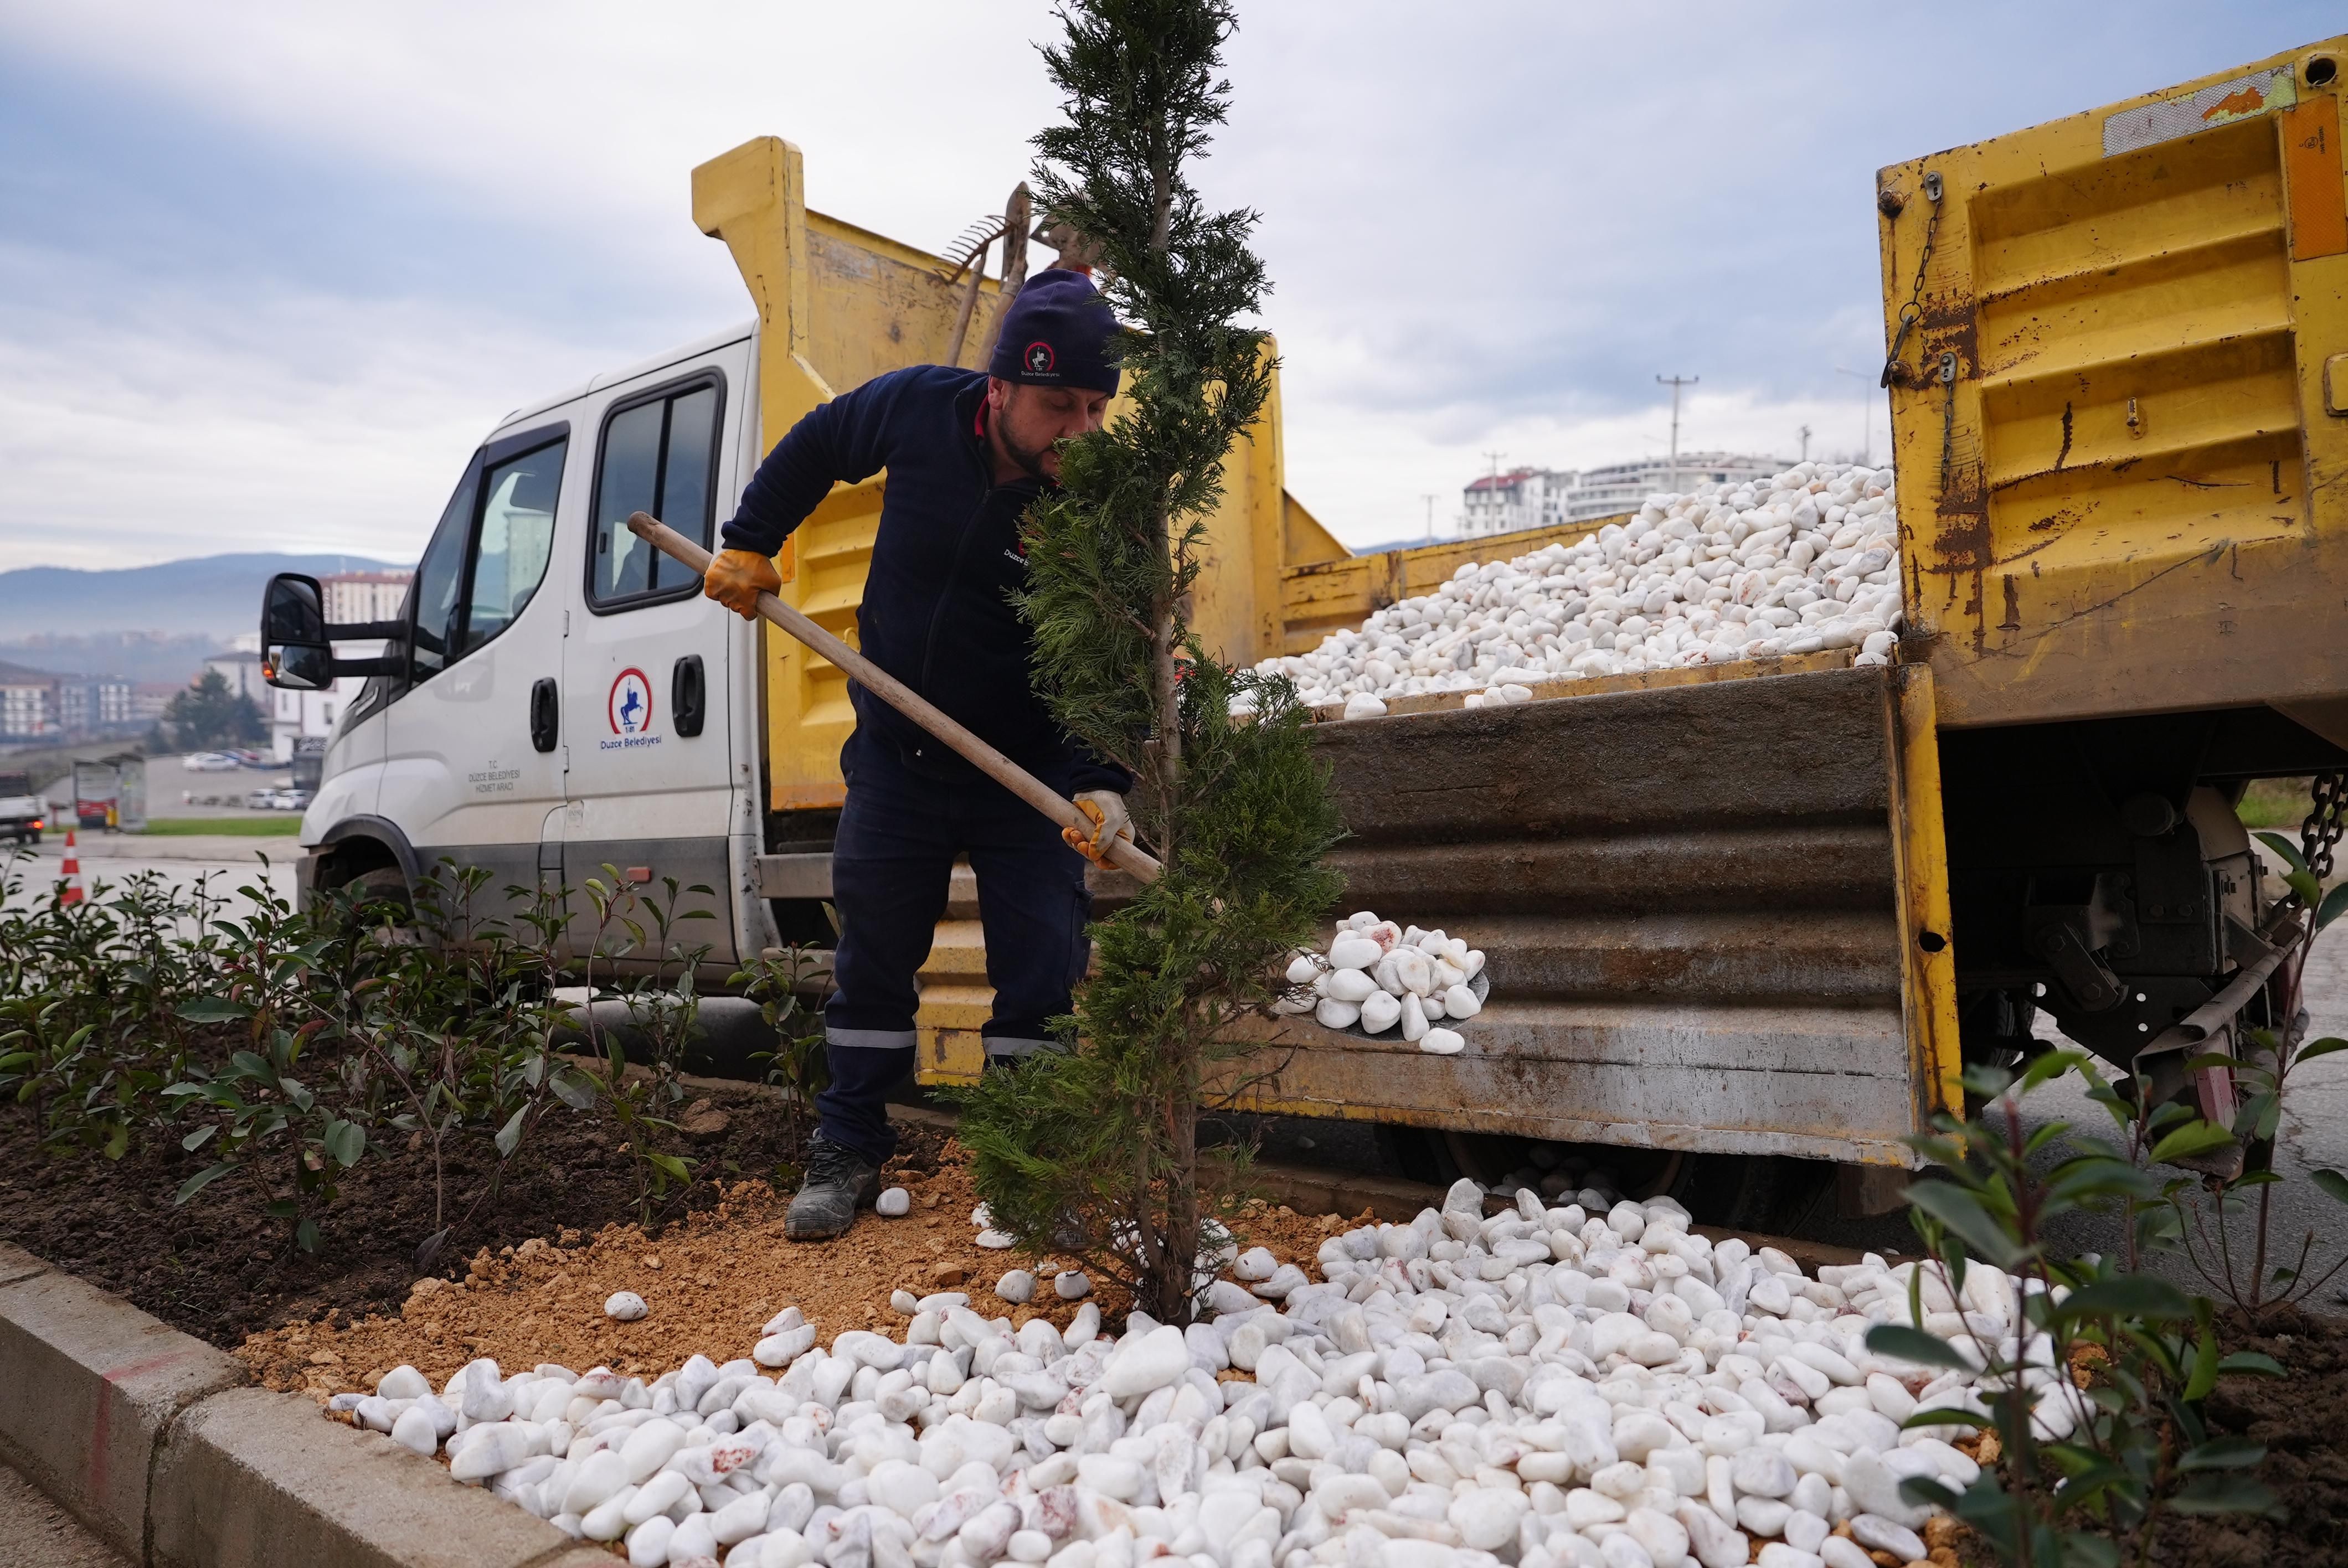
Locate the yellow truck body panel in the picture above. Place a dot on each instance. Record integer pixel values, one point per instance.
(2123, 474)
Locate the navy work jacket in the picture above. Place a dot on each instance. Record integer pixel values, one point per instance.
(936, 611)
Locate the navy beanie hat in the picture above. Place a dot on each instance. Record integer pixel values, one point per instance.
(1058, 331)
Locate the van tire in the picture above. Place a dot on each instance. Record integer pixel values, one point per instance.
(386, 885)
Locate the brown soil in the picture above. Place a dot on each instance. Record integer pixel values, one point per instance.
(220, 1268)
(711, 1282)
(2298, 1419)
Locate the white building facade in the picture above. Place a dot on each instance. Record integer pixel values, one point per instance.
(1549, 498)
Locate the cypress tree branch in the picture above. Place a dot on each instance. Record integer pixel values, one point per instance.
(1096, 1150)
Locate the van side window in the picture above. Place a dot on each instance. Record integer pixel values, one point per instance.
(440, 582)
(660, 456)
(515, 538)
(488, 556)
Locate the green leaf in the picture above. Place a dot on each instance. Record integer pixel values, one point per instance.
(2083, 1550)
(1921, 1490)
(2204, 1377)
(200, 1180)
(246, 1064)
(199, 1138)
(306, 1235)
(573, 1087)
(2046, 1065)
(1947, 1416)
(2220, 1493)
(670, 1163)
(2250, 1363)
(2199, 1138)
(2331, 1182)
(1915, 1345)
(2223, 1453)
(1962, 1213)
(2308, 1052)
(2333, 902)
(2285, 848)
(2127, 1295)
(214, 1009)
(345, 1141)
(509, 1135)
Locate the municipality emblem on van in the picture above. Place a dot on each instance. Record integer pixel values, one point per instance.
(630, 706)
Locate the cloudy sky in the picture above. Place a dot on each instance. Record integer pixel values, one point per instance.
(269, 270)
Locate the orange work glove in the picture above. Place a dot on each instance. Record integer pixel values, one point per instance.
(736, 580)
(1110, 822)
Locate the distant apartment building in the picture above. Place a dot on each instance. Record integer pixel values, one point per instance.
(28, 704)
(1525, 498)
(1625, 487)
(94, 706)
(38, 704)
(1518, 499)
(361, 596)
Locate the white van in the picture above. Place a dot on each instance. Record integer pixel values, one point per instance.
(556, 697)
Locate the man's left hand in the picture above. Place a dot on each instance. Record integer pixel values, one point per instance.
(1110, 822)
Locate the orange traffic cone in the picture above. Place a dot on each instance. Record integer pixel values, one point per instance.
(71, 873)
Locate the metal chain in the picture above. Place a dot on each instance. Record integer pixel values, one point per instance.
(1913, 311)
(2325, 823)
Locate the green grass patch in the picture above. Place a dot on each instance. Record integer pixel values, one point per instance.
(260, 824)
(2275, 802)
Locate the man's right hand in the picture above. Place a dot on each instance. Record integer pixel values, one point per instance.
(736, 580)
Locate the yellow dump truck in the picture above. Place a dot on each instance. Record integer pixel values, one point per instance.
(1746, 921)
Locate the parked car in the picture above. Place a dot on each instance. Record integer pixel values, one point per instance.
(260, 800)
(209, 762)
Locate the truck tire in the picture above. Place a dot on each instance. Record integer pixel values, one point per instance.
(384, 885)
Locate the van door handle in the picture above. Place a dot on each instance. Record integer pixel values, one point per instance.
(545, 713)
(688, 694)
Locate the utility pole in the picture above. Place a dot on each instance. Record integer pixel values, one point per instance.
(1494, 491)
(1805, 434)
(1430, 499)
(1675, 383)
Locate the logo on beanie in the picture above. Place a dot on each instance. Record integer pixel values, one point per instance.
(1039, 358)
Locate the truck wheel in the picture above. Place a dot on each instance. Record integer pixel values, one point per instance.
(386, 890)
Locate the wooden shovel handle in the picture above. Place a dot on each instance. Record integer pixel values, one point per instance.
(902, 698)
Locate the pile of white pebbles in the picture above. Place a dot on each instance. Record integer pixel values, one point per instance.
(1381, 976)
(1807, 560)
(1545, 1387)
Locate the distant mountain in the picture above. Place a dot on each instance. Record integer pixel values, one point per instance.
(213, 595)
(125, 655)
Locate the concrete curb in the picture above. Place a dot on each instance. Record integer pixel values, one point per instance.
(148, 1436)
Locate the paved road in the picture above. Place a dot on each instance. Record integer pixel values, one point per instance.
(230, 861)
(37, 1533)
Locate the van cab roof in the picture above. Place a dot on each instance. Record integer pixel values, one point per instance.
(656, 363)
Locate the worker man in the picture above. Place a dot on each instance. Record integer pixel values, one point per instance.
(966, 453)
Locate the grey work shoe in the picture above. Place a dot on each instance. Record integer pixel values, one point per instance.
(840, 1181)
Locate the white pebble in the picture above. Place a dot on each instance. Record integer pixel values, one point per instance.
(1070, 1284)
(995, 1241)
(1017, 1288)
(893, 1203)
(1442, 1042)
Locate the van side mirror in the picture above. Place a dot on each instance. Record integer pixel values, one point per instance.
(298, 644)
(298, 666)
(292, 609)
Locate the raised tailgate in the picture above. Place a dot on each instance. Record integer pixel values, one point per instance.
(2121, 411)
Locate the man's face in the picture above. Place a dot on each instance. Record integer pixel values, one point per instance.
(1030, 422)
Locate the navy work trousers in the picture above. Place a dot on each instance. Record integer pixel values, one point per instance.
(904, 823)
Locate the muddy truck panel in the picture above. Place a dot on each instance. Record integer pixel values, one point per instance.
(2120, 404)
(1698, 904)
